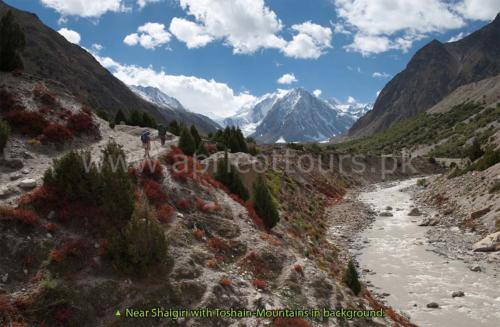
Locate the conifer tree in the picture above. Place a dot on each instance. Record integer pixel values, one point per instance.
(264, 204)
(4, 135)
(186, 142)
(227, 175)
(12, 42)
(351, 278)
(135, 119)
(120, 117)
(196, 136)
(174, 128)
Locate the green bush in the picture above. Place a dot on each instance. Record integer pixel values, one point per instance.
(475, 152)
(75, 177)
(351, 278)
(422, 182)
(263, 203)
(141, 245)
(12, 43)
(4, 135)
(295, 146)
(117, 193)
(196, 136)
(186, 142)
(495, 188)
(227, 175)
(232, 139)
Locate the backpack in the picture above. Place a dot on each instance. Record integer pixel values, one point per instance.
(162, 130)
(145, 137)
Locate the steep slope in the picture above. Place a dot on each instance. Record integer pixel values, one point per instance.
(49, 55)
(171, 107)
(486, 92)
(434, 72)
(300, 116)
(354, 109)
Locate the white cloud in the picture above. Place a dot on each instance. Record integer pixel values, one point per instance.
(287, 79)
(149, 36)
(380, 75)
(198, 94)
(247, 26)
(310, 41)
(382, 25)
(97, 47)
(351, 100)
(457, 37)
(144, 3)
(317, 93)
(479, 9)
(190, 33)
(70, 35)
(84, 8)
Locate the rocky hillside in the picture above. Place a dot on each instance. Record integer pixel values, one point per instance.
(49, 55)
(435, 71)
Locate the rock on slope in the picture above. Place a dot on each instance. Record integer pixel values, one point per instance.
(49, 55)
(434, 72)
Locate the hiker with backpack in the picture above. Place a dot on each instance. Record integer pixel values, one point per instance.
(162, 132)
(146, 142)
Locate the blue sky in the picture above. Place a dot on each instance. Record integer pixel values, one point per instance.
(218, 55)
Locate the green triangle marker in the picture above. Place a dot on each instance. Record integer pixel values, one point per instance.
(117, 313)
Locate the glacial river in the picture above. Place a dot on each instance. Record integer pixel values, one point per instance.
(395, 249)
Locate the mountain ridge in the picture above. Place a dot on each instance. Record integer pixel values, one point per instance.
(436, 70)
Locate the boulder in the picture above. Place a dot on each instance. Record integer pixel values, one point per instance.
(457, 294)
(488, 244)
(385, 214)
(479, 213)
(415, 212)
(433, 305)
(475, 269)
(388, 208)
(27, 184)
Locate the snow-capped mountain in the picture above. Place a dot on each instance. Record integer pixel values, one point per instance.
(157, 97)
(295, 116)
(173, 109)
(352, 108)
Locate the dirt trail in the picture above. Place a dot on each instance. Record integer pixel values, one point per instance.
(14, 183)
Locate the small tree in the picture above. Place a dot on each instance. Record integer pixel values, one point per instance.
(135, 119)
(475, 152)
(196, 136)
(141, 245)
(227, 175)
(4, 135)
(174, 128)
(120, 117)
(117, 198)
(12, 42)
(264, 204)
(186, 142)
(148, 121)
(351, 278)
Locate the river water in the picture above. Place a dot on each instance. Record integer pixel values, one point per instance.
(395, 249)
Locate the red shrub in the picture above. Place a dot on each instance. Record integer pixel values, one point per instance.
(299, 269)
(154, 192)
(6, 307)
(225, 282)
(63, 315)
(51, 227)
(217, 244)
(43, 95)
(42, 198)
(260, 284)
(254, 216)
(199, 234)
(56, 255)
(28, 122)
(81, 122)
(207, 207)
(71, 247)
(174, 155)
(56, 133)
(183, 204)
(291, 322)
(165, 213)
(45, 111)
(24, 216)
(151, 169)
